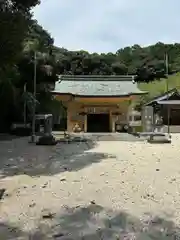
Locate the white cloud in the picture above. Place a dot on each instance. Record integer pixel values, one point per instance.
(103, 25)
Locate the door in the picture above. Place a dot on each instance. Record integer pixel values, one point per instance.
(98, 123)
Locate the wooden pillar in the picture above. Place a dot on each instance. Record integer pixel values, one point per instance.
(113, 125)
(85, 123)
(129, 110)
(68, 119)
(111, 121)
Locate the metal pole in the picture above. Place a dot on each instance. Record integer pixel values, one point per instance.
(167, 88)
(33, 137)
(167, 72)
(25, 120)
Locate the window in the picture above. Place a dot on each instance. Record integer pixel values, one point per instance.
(135, 118)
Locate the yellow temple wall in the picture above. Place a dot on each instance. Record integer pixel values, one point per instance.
(78, 105)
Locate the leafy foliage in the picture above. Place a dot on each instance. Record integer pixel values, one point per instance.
(148, 63)
(15, 18)
(20, 37)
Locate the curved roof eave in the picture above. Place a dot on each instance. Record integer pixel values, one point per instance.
(99, 96)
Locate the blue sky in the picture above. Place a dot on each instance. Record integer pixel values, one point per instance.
(107, 25)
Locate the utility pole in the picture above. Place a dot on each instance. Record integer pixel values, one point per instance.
(167, 71)
(33, 137)
(167, 89)
(25, 119)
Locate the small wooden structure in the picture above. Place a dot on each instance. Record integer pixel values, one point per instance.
(170, 113)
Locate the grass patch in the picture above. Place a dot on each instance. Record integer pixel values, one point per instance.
(159, 87)
(156, 88)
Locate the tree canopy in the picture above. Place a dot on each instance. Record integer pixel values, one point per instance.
(15, 19)
(148, 63)
(20, 36)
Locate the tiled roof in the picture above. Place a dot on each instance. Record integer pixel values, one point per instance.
(96, 85)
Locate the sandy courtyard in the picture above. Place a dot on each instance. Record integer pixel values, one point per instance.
(96, 190)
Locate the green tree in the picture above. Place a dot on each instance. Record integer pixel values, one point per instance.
(15, 76)
(119, 68)
(15, 18)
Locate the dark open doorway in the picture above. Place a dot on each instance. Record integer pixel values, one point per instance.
(98, 123)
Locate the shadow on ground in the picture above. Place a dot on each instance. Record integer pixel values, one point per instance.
(120, 137)
(19, 157)
(95, 222)
(8, 137)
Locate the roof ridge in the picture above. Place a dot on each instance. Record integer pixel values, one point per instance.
(172, 90)
(96, 77)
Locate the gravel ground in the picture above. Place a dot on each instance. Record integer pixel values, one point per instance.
(95, 190)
